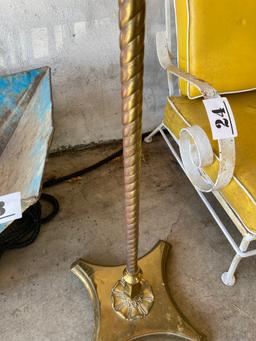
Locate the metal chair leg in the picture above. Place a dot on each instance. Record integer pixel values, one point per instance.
(228, 278)
(148, 139)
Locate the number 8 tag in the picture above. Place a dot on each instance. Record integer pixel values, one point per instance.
(221, 118)
(10, 207)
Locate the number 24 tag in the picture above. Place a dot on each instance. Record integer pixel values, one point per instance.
(221, 118)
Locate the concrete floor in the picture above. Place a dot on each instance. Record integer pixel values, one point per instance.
(42, 301)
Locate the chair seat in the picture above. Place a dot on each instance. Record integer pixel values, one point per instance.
(240, 194)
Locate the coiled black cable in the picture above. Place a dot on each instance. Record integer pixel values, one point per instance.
(23, 232)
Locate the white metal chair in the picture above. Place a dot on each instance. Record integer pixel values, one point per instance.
(224, 167)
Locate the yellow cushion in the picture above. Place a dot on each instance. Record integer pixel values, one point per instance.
(240, 194)
(216, 43)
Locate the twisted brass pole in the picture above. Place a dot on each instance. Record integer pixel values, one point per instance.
(132, 31)
(132, 295)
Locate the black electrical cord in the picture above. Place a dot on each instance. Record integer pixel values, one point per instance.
(56, 181)
(24, 231)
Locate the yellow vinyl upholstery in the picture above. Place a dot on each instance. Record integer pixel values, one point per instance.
(240, 194)
(216, 43)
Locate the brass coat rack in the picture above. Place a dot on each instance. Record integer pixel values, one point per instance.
(138, 304)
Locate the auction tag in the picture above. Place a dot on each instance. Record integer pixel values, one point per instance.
(10, 207)
(221, 118)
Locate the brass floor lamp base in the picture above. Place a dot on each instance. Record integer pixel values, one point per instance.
(164, 317)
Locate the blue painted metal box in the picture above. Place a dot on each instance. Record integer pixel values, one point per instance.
(25, 133)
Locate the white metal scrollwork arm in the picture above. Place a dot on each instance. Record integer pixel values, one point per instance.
(195, 147)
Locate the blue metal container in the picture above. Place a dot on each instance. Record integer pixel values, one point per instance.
(25, 133)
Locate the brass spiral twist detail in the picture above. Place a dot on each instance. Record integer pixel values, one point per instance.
(132, 32)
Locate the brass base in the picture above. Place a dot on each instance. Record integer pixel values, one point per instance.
(132, 301)
(164, 317)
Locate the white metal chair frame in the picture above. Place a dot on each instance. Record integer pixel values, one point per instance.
(194, 156)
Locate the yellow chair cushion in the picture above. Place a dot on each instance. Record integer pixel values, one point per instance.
(216, 43)
(240, 194)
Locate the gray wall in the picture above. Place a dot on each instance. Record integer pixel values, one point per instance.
(78, 39)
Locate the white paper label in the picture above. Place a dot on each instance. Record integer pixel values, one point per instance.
(221, 118)
(10, 207)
